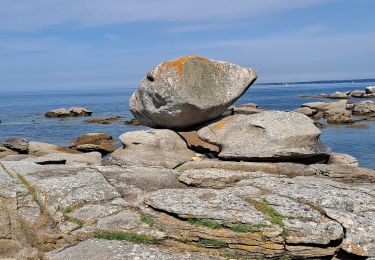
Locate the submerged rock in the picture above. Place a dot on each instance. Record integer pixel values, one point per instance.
(188, 91)
(267, 136)
(104, 120)
(163, 148)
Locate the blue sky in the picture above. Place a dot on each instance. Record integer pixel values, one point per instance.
(68, 44)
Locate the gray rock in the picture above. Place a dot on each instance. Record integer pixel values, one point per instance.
(322, 106)
(370, 90)
(19, 145)
(307, 111)
(343, 159)
(224, 207)
(266, 136)
(358, 93)
(188, 91)
(245, 109)
(96, 249)
(68, 112)
(339, 95)
(163, 148)
(15, 157)
(364, 108)
(93, 158)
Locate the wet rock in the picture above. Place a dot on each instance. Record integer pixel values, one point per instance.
(343, 159)
(19, 145)
(306, 111)
(266, 136)
(195, 143)
(103, 121)
(95, 142)
(118, 250)
(364, 108)
(132, 121)
(163, 148)
(188, 91)
(68, 112)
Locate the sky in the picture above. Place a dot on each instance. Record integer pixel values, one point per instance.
(80, 44)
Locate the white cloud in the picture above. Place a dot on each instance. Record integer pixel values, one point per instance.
(27, 15)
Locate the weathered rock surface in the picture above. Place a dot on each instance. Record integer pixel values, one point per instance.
(266, 136)
(92, 158)
(343, 159)
(117, 250)
(326, 105)
(364, 108)
(237, 212)
(195, 143)
(19, 145)
(338, 116)
(245, 109)
(163, 148)
(95, 142)
(307, 111)
(68, 112)
(39, 149)
(188, 91)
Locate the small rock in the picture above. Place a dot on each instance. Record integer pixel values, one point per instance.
(343, 159)
(370, 90)
(95, 142)
(163, 148)
(39, 149)
(246, 109)
(338, 95)
(306, 111)
(19, 145)
(338, 116)
(358, 93)
(364, 108)
(103, 121)
(70, 112)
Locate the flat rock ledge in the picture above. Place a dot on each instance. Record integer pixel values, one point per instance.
(204, 209)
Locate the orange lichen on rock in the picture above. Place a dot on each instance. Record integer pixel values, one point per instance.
(178, 64)
(220, 124)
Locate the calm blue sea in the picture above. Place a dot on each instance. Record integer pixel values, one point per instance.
(21, 114)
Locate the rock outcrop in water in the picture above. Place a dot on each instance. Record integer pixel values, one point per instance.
(188, 91)
(68, 112)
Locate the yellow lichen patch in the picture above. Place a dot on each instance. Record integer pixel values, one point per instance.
(178, 64)
(353, 248)
(220, 124)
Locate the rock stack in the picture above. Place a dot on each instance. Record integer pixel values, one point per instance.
(211, 182)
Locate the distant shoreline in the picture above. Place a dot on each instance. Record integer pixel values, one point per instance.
(320, 82)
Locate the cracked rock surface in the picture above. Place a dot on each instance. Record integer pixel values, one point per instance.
(207, 209)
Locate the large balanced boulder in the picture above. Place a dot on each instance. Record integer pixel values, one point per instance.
(188, 91)
(161, 147)
(267, 136)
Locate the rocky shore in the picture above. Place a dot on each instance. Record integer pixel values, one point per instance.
(209, 181)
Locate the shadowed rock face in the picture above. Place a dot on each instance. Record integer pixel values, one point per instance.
(182, 93)
(267, 136)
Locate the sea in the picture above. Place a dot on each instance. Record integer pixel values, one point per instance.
(21, 114)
